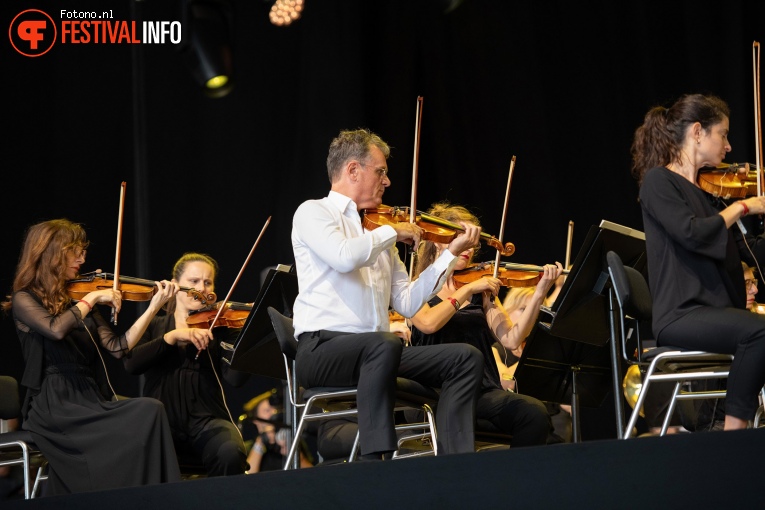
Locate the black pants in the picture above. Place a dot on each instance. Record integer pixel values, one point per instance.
(372, 361)
(220, 448)
(727, 331)
(523, 417)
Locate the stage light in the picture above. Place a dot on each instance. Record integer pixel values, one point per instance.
(284, 12)
(207, 44)
(449, 5)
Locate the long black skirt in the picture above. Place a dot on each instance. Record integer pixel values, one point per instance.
(92, 444)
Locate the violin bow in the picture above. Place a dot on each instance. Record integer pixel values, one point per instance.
(222, 307)
(415, 164)
(757, 115)
(119, 247)
(568, 243)
(504, 215)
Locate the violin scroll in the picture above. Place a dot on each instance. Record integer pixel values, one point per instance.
(505, 250)
(199, 296)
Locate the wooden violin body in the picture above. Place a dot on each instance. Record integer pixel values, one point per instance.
(507, 277)
(234, 316)
(133, 289)
(435, 229)
(729, 181)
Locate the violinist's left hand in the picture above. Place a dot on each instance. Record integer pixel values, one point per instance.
(549, 276)
(165, 291)
(465, 240)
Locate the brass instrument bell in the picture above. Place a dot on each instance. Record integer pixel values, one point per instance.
(631, 386)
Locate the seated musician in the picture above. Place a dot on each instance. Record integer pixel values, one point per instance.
(710, 413)
(348, 278)
(694, 259)
(516, 302)
(89, 442)
(472, 314)
(183, 369)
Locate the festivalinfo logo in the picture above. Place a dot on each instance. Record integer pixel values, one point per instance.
(33, 32)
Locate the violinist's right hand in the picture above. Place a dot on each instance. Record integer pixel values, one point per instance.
(465, 240)
(488, 285)
(200, 337)
(756, 205)
(408, 233)
(109, 297)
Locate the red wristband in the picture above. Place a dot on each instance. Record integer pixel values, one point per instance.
(746, 209)
(90, 308)
(455, 303)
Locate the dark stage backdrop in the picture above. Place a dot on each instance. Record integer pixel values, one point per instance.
(560, 85)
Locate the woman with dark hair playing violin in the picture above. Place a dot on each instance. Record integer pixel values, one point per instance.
(472, 314)
(90, 443)
(183, 368)
(694, 261)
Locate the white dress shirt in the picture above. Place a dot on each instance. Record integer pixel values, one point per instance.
(348, 277)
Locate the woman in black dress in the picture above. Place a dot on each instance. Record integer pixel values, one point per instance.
(183, 369)
(90, 443)
(472, 314)
(694, 245)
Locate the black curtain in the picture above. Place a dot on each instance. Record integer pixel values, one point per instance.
(560, 85)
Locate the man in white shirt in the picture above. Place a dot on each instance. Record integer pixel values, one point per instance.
(348, 278)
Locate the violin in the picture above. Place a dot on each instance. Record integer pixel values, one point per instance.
(435, 229)
(234, 316)
(507, 277)
(133, 289)
(394, 316)
(729, 181)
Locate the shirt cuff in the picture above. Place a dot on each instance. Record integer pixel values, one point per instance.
(386, 235)
(445, 262)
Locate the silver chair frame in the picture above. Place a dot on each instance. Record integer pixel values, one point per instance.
(17, 446)
(715, 366)
(29, 457)
(341, 402)
(670, 364)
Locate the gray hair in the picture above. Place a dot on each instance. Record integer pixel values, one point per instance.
(350, 145)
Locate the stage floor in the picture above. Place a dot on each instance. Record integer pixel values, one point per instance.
(695, 471)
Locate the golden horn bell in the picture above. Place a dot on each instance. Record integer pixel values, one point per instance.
(631, 386)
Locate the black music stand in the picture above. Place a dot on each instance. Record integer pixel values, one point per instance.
(256, 349)
(567, 360)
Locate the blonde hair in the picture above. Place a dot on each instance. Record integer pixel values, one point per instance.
(180, 267)
(515, 298)
(427, 251)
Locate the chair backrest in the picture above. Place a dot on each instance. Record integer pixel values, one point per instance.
(630, 287)
(9, 398)
(285, 332)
